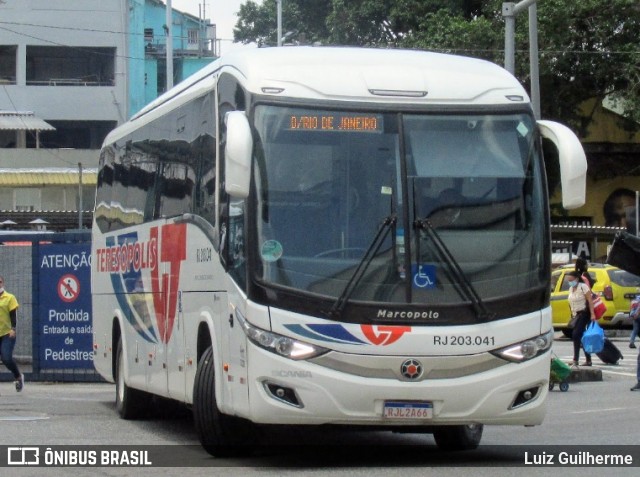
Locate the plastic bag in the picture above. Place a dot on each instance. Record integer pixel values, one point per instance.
(593, 338)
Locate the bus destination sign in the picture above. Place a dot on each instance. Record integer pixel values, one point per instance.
(336, 121)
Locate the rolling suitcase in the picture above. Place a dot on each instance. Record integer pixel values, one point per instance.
(610, 354)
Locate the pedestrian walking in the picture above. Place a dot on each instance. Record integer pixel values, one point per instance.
(581, 312)
(8, 316)
(637, 386)
(634, 314)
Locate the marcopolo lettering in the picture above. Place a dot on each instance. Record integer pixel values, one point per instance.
(408, 314)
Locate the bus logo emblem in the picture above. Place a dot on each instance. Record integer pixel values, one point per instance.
(411, 369)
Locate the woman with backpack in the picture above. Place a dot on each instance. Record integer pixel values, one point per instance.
(582, 312)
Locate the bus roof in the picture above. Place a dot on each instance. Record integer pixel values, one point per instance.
(366, 74)
(390, 76)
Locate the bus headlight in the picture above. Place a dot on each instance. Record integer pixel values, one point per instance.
(278, 344)
(526, 350)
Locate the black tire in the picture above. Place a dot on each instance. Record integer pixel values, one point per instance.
(551, 386)
(458, 438)
(564, 386)
(220, 435)
(130, 403)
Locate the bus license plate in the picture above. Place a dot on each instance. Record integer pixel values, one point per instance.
(408, 410)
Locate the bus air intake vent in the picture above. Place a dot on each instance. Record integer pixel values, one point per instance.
(398, 93)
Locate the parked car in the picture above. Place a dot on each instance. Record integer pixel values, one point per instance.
(616, 287)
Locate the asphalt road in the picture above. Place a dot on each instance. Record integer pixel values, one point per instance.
(590, 415)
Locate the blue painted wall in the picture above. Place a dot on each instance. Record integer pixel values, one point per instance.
(144, 69)
(136, 60)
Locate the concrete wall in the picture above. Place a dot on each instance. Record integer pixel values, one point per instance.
(41, 158)
(86, 23)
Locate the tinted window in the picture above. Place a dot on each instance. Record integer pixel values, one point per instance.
(164, 169)
(624, 279)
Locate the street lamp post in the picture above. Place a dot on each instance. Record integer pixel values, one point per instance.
(279, 20)
(509, 12)
(80, 204)
(169, 46)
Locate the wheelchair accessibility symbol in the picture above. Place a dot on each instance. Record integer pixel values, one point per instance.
(424, 276)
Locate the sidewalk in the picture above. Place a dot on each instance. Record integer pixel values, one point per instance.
(50, 375)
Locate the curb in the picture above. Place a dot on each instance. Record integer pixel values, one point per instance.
(585, 375)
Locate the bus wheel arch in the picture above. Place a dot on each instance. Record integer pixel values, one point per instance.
(204, 340)
(116, 333)
(221, 435)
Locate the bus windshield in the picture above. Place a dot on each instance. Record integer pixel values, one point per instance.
(465, 192)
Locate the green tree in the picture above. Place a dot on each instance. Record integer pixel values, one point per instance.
(388, 22)
(306, 19)
(588, 48)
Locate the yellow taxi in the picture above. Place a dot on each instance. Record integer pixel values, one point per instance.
(616, 287)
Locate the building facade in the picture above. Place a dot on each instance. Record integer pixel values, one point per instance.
(70, 72)
(193, 47)
(612, 145)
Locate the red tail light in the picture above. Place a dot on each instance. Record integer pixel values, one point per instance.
(607, 293)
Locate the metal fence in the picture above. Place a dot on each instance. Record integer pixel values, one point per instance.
(21, 267)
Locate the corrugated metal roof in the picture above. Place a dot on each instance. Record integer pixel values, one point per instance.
(32, 178)
(19, 121)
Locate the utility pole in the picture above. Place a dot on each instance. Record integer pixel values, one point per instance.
(509, 11)
(80, 205)
(169, 33)
(637, 213)
(279, 33)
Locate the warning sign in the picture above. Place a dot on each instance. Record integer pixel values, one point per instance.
(68, 288)
(64, 322)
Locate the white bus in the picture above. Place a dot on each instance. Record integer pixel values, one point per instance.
(310, 235)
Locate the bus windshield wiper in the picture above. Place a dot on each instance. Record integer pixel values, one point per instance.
(386, 225)
(467, 288)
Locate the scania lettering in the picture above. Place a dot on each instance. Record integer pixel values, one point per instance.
(311, 235)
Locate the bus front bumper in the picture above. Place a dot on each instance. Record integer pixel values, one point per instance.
(282, 391)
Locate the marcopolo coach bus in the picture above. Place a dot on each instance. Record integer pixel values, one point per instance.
(310, 235)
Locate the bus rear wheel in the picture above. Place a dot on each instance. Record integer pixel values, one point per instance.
(130, 403)
(220, 435)
(457, 438)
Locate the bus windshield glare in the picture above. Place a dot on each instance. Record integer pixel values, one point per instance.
(460, 194)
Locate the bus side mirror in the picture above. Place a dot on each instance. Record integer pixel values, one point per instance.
(238, 151)
(573, 163)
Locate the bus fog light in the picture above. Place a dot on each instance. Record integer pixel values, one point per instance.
(282, 393)
(525, 396)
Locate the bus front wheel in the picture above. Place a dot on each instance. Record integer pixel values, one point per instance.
(220, 435)
(455, 438)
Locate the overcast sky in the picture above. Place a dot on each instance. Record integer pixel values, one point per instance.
(221, 12)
